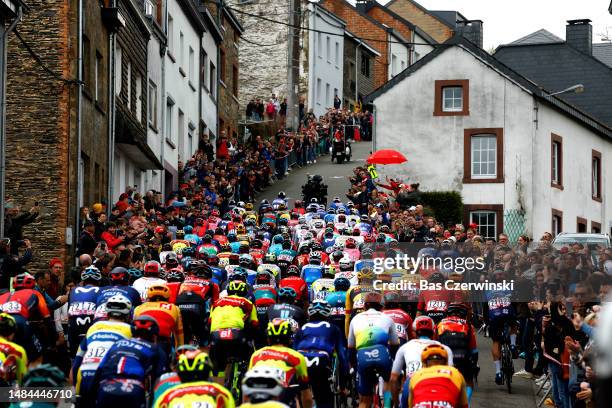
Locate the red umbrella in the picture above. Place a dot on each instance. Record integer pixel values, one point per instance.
(386, 156)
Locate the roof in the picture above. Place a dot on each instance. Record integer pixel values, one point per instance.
(190, 10)
(529, 86)
(452, 26)
(603, 52)
(402, 20)
(538, 37)
(138, 17)
(556, 66)
(450, 17)
(328, 13)
(233, 20)
(363, 43)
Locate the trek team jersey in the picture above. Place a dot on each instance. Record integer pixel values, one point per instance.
(437, 387)
(232, 312)
(199, 394)
(371, 328)
(291, 364)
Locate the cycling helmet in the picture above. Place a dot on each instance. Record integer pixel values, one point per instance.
(180, 234)
(320, 309)
(203, 271)
(145, 327)
(269, 258)
(194, 365)
(381, 238)
(337, 256)
(152, 268)
(342, 284)
(248, 206)
(458, 309)
(118, 306)
(263, 277)
(365, 274)
(45, 375)
(279, 331)
(392, 300)
(27, 281)
(244, 248)
(232, 237)
(423, 324)
(188, 229)
(372, 300)
(436, 277)
(314, 258)
(329, 271)
(119, 275)
(175, 275)
(282, 195)
(240, 274)
(237, 288)
(245, 260)
(293, 270)
(188, 252)
(262, 384)
(369, 238)
(434, 352)
(345, 264)
(350, 243)
(287, 295)
(8, 325)
(135, 273)
(158, 291)
(91, 274)
(304, 249)
(341, 210)
(171, 262)
(367, 253)
(212, 260)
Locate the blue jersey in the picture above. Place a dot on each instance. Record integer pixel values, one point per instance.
(235, 246)
(364, 263)
(328, 242)
(311, 273)
(329, 218)
(337, 302)
(219, 275)
(500, 303)
(81, 311)
(109, 291)
(322, 336)
(193, 238)
(275, 249)
(136, 359)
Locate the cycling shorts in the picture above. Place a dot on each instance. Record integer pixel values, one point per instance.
(121, 392)
(496, 327)
(195, 322)
(25, 337)
(226, 344)
(370, 362)
(319, 373)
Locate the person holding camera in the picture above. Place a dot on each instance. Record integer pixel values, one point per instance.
(14, 222)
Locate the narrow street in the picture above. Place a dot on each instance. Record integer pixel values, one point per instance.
(336, 177)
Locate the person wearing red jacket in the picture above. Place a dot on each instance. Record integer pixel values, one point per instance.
(110, 236)
(292, 280)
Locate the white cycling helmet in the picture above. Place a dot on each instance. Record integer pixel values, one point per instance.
(262, 384)
(118, 306)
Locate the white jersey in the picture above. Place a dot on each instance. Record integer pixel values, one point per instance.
(408, 356)
(143, 284)
(371, 328)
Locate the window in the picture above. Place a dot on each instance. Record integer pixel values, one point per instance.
(170, 34)
(138, 95)
(595, 227)
(581, 225)
(556, 161)
(149, 8)
(452, 98)
(327, 100)
(318, 91)
(129, 85)
(203, 68)
(190, 138)
(393, 65)
(222, 62)
(180, 129)
(327, 48)
(483, 155)
(235, 80)
(152, 105)
(86, 62)
(337, 54)
(488, 217)
(118, 73)
(557, 222)
(403, 65)
(169, 119)
(365, 66)
(596, 175)
(191, 64)
(98, 91)
(319, 45)
(213, 80)
(181, 49)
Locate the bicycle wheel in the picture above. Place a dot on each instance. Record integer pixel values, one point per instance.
(507, 367)
(335, 381)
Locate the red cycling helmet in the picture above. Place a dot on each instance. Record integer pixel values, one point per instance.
(423, 323)
(152, 268)
(24, 281)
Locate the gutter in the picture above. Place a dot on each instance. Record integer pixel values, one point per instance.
(79, 184)
(111, 117)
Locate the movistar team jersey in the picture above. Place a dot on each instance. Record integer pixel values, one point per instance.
(500, 303)
(109, 291)
(371, 328)
(320, 336)
(311, 273)
(81, 310)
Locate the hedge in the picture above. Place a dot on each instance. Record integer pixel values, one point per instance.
(445, 206)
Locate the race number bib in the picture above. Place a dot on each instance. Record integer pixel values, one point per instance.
(436, 306)
(499, 303)
(226, 334)
(400, 329)
(11, 307)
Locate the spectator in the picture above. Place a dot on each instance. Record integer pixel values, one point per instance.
(14, 223)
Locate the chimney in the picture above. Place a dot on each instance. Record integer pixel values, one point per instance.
(579, 34)
(363, 5)
(471, 30)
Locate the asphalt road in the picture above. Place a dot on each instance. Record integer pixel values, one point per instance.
(487, 394)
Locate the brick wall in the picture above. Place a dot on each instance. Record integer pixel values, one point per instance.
(383, 17)
(425, 21)
(229, 107)
(37, 130)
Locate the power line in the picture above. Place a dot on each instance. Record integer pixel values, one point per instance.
(258, 44)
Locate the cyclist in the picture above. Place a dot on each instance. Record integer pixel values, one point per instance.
(501, 314)
(152, 271)
(324, 285)
(337, 302)
(194, 368)
(167, 315)
(82, 306)
(13, 357)
(313, 270)
(174, 280)
(355, 295)
(401, 319)
(278, 355)
(119, 277)
(437, 384)
(219, 276)
(233, 322)
(130, 366)
(366, 260)
(287, 309)
(372, 342)
(291, 278)
(27, 305)
(263, 387)
(433, 302)
(265, 294)
(456, 332)
(317, 341)
(98, 340)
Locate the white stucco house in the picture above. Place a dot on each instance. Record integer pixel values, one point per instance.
(325, 58)
(211, 38)
(523, 161)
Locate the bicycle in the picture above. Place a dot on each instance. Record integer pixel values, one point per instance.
(507, 365)
(340, 400)
(234, 381)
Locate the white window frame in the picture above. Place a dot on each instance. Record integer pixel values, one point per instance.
(118, 73)
(595, 174)
(129, 85)
(319, 92)
(453, 97)
(556, 149)
(138, 95)
(169, 119)
(477, 153)
(486, 225)
(152, 104)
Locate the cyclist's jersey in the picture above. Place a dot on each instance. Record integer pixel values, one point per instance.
(81, 311)
(457, 334)
(109, 291)
(320, 336)
(12, 354)
(132, 358)
(211, 249)
(27, 303)
(194, 239)
(437, 386)
(433, 303)
(275, 269)
(321, 288)
(294, 314)
(402, 321)
(500, 304)
(143, 284)
(203, 287)
(298, 284)
(219, 275)
(199, 394)
(292, 365)
(99, 339)
(174, 290)
(168, 317)
(337, 303)
(350, 275)
(265, 296)
(164, 383)
(311, 273)
(408, 356)
(232, 312)
(371, 328)
(364, 263)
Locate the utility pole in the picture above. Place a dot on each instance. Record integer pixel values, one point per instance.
(293, 65)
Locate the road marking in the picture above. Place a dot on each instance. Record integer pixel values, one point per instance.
(336, 177)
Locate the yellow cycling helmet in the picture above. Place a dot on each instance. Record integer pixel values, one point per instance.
(365, 274)
(158, 291)
(236, 287)
(8, 325)
(434, 352)
(279, 331)
(248, 206)
(194, 365)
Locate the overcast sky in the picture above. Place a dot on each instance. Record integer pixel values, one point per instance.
(506, 21)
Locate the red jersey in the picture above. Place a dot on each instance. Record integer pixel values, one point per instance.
(433, 303)
(403, 323)
(27, 303)
(298, 284)
(174, 290)
(437, 386)
(458, 335)
(168, 317)
(201, 286)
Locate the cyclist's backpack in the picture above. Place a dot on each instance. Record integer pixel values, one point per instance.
(454, 333)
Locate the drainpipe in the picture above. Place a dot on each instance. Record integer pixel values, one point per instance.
(162, 130)
(374, 128)
(357, 62)
(79, 184)
(3, 57)
(112, 43)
